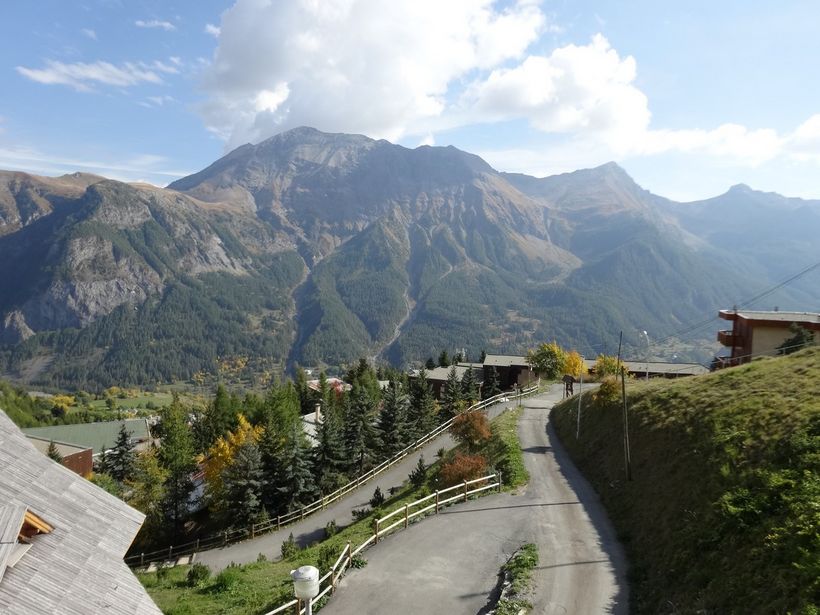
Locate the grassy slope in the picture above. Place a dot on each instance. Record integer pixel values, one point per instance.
(723, 513)
(260, 587)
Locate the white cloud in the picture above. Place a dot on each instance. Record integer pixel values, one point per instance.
(155, 23)
(428, 140)
(81, 75)
(157, 101)
(212, 30)
(89, 33)
(354, 65)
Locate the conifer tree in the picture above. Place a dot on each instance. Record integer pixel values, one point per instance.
(242, 481)
(53, 453)
(451, 397)
(219, 418)
(491, 386)
(121, 458)
(147, 491)
(360, 435)
(176, 456)
(444, 359)
(423, 411)
(294, 480)
(329, 455)
(430, 363)
(469, 386)
(393, 427)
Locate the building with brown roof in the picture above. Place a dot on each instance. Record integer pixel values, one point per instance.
(759, 333)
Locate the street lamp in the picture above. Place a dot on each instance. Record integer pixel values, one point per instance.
(306, 585)
(646, 335)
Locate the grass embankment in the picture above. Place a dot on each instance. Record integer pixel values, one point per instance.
(723, 512)
(518, 572)
(262, 586)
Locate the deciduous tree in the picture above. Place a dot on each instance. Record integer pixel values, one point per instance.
(547, 360)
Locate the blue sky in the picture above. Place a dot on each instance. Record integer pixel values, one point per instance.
(689, 98)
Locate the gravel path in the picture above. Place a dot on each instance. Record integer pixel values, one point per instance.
(312, 528)
(449, 563)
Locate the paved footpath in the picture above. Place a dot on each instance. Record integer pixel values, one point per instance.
(449, 563)
(313, 527)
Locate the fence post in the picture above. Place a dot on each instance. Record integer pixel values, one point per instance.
(225, 538)
(500, 482)
(278, 522)
(436, 501)
(298, 606)
(170, 551)
(142, 559)
(349, 555)
(253, 530)
(303, 513)
(406, 517)
(465, 490)
(376, 530)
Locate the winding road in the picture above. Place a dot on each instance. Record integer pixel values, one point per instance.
(449, 563)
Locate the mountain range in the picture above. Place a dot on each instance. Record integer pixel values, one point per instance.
(316, 249)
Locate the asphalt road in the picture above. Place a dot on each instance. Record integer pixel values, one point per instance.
(312, 528)
(449, 563)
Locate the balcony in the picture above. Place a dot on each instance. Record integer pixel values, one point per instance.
(726, 337)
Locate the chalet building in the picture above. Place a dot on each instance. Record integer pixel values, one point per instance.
(511, 370)
(99, 437)
(62, 539)
(437, 377)
(76, 458)
(655, 369)
(759, 333)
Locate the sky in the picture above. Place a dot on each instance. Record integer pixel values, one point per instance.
(690, 98)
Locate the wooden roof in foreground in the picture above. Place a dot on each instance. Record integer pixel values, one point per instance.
(77, 569)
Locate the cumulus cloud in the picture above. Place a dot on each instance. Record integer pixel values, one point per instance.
(354, 65)
(212, 30)
(155, 23)
(89, 33)
(81, 75)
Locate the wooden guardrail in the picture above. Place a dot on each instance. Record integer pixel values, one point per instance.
(226, 537)
(345, 559)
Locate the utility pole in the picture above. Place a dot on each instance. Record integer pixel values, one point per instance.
(580, 390)
(627, 456)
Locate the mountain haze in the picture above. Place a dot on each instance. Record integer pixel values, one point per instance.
(318, 248)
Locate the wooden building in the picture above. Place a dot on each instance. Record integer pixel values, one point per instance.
(759, 333)
(78, 459)
(62, 539)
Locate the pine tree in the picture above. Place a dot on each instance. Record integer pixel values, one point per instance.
(430, 363)
(294, 479)
(242, 481)
(491, 387)
(53, 453)
(121, 458)
(451, 395)
(176, 456)
(444, 359)
(393, 427)
(423, 416)
(360, 435)
(469, 386)
(419, 474)
(146, 493)
(329, 455)
(220, 416)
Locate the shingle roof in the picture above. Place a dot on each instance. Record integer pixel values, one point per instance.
(77, 569)
(503, 360)
(98, 436)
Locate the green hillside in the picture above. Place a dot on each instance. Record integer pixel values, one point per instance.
(723, 513)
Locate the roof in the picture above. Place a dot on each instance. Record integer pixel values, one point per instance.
(98, 436)
(503, 360)
(65, 449)
(658, 367)
(442, 373)
(77, 569)
(772, 315)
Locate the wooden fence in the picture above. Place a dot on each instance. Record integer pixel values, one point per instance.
(331, 578)
(226, 537)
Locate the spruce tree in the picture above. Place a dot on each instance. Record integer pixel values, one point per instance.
(147, 492)
(444, 359)
(121, 458)
(469, 386)
(451, 395)
(53, 453)
(393, 427)
(430, 363)
(219, 418)
(294, 479)
(176, 456)
(329, 455)
(242, 482)
(360, 434)
(491, 387)
(423, 410)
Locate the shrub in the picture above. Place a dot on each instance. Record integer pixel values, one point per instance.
(328, 554)
(360, 513)
(471, 429)
(463, 467)
(608, 392)
(228, 579)
(289, 547)
(261, 558)
(419, 474)
(198, 574)
(607, 365)
(377, 499)
(331, 529)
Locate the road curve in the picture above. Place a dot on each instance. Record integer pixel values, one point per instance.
(312, 528)
(449, 563)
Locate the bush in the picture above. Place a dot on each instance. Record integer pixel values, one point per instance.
(228, 579)
(463, 467)
(607, 365)
(328, 554)
(377, 499)
(198, 574)
(261, 558)
(471, 429)
(608, 392)
(419, 474)
(289, 547)
(360, 513)
(331, 529)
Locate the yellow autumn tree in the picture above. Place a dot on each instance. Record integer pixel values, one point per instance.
(221, 455)
(574, 364)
